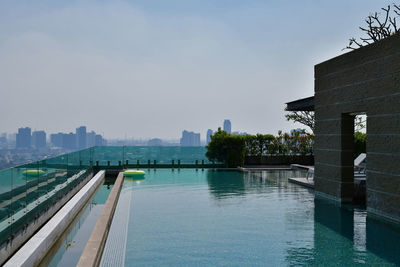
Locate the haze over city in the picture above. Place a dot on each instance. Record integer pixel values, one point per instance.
(147, 69)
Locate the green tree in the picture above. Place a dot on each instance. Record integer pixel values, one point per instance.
(259, 144)
(360, 143)
(306, 118)
(226, 148)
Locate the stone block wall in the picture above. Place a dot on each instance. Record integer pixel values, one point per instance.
(365, 80)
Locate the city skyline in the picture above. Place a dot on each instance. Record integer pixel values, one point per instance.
(92, 136)
(25, 138)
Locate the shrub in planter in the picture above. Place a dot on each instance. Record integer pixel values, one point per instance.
(226, 148)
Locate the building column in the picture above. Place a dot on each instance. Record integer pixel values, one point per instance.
(334, 163)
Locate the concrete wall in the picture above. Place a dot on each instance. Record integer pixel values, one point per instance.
(364, 80)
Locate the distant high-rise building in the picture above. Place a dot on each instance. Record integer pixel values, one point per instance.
(3, 138)
(155, 142)
(12, 137)
(24, 138)
(227, 126)
(209, 133)
(57, 139)
(99, 141)
(81, 137)
(91, 139)
(69, 141)
(190, 139)
(39, 139)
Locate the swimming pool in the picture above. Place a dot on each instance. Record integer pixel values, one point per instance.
(222, 218)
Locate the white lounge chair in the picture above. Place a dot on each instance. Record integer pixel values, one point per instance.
(359, 167)
(359, 163)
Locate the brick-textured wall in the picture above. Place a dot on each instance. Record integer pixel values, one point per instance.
(364, 80)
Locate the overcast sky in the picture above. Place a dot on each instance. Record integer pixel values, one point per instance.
(152, 68)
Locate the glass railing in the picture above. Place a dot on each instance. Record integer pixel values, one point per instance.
(29, 190)
(161, 154)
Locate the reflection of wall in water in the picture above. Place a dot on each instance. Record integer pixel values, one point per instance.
(370, 240)
(383, 239)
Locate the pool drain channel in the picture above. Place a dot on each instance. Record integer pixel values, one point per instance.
(114, 251)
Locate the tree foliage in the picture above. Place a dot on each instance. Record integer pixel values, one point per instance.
(226, 148)
(231, 149)
(259, 144)
(378, 26)
(306, 118)
(360, 143)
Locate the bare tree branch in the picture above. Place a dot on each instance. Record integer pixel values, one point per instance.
(377, 28)
(303, 117)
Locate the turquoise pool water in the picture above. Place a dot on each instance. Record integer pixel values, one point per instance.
(220, 218)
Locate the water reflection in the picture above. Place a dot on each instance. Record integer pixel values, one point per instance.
(333, 234)
(383, 239)
(336, 218)
(346, 236)
(225, 184)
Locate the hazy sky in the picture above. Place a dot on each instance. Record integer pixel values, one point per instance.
(152, 68)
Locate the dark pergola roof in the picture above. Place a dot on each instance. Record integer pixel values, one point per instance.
(304, 104)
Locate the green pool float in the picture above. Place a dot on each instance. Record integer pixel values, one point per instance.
(33, 173)
(134, 174)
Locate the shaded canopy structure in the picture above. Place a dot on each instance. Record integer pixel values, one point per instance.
(304, 104)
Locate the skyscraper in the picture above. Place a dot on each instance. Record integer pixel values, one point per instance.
(3, 138)
(91, 139)
(39, 139)
(99, 141)
(209, 133)
(81, 137)
(190, 139)
(227, 126)
(69, 141)
(24, 138)
(57, 139)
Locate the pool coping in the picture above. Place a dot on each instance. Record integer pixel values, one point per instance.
(309, 183)
(93, 251)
